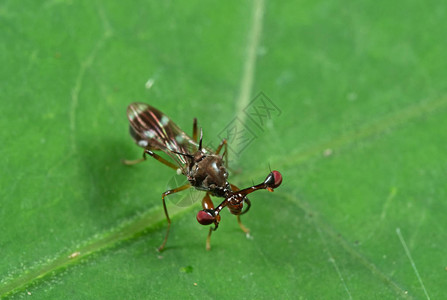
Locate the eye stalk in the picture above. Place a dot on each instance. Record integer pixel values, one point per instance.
(234, 200)
(271, 182)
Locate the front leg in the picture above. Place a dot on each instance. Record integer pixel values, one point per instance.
(154, 155)
(176, 190)
(207, 204)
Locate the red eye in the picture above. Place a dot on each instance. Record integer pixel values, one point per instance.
(278, 179)
(205, 217)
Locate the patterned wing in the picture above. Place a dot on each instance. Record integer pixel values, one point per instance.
(153, 130)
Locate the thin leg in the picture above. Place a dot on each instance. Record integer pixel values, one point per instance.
(225, 154)
(160, 159)
(222, 143)
(132, 162)
(244, 229)
(176, 190)
(194, 130)
(207, 203)
(154, 155)
(208, 240)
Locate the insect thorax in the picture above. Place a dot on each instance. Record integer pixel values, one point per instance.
(208, 173)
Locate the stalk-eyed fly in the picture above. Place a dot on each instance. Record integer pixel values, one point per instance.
(204, 168)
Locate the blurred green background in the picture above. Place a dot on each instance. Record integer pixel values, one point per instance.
(360, 141)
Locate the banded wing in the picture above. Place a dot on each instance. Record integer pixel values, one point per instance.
(153, 130)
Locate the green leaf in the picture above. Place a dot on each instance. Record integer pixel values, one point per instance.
(357, 127)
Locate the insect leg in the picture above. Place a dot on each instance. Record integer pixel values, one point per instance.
(132, 162)
(244, 229)
(208, 238)
(154, 155)
(159, 158)
(168, 192)
(207, 203)
(224, 143)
